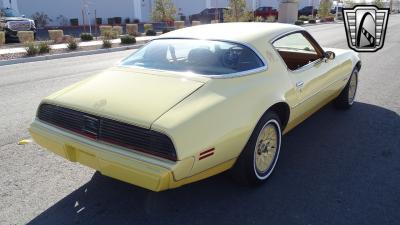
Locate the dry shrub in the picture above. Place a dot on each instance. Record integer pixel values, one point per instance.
(147, 26)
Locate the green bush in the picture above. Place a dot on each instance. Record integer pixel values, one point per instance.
(72, 44)
(31, 49)
(44, 47)
(86, 37)
(107, 43)
(299, 22)
(312, 21)
(151, 33)
(304, 18)
(127, 39)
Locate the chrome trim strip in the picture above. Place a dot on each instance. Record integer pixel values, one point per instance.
(220, 76)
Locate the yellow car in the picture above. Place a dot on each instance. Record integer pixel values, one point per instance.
(196, 102)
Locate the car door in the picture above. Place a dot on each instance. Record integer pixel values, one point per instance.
(309, 71)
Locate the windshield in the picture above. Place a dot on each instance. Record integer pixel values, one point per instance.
(203, 57)
(9, 13)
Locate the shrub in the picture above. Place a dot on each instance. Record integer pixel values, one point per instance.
(136, 21)
(304, 18)
(196, 22)
(312, 21)
(56, 35)
(25, 36)
(31, 49)
(299, 22)
(74, 22)
(86, 37)
(147, 26)
(2, 38)
(127, 20)
(151, 33)
(127, 39)
(44, 47)
(179, 24)
(132, 29)
(107, 43)
(99, 21)
(72, 44)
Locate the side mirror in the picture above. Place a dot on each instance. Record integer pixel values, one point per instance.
(329, 55)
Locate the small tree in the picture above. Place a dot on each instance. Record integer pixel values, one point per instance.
(62, 20)
(41, 19)
(237, 12)
(379, 3)
(324, 8)
(349, 3)
(164, 11)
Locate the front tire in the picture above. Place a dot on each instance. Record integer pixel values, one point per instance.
(258, 159)
(346, 98)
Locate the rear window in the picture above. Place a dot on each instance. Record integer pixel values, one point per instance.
(203, 57)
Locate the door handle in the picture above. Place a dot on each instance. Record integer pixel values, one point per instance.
(300, 84)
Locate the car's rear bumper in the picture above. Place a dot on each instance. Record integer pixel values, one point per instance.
(120, 164)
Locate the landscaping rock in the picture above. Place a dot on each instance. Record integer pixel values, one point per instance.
(25, 36)
(132, 29)
(56, 35)
(196, 22)
(2, 38)
(179, 24)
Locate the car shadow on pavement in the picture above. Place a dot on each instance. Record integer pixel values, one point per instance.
(338, 167)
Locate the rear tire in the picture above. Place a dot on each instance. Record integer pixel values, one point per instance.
(258, 158)
(346, 98)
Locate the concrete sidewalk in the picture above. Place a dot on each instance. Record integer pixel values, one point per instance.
(139, 40)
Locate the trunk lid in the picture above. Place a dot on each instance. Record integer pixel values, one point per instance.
(127, 95)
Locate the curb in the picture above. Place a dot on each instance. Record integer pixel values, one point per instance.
(68, 55)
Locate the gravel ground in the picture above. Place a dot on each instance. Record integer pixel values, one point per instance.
(335, 168)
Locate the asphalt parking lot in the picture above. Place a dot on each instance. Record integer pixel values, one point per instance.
(336, 168)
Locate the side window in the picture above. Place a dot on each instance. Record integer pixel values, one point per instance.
(296, 50)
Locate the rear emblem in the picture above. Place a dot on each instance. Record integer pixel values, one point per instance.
(91, 126)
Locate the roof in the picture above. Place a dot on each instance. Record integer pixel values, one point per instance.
(246, 32)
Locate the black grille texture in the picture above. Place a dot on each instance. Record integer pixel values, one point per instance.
(107, 130)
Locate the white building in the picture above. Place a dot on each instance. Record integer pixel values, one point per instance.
(134, 9)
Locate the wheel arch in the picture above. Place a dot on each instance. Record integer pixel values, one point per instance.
(282, 109)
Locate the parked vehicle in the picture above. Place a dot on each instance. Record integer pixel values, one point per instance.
(197, 101)
(11, 23)
(306, 11)
(265, 12)
(209, 14)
